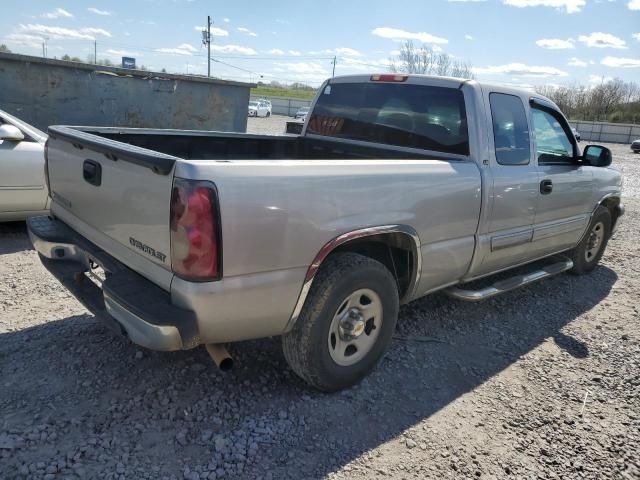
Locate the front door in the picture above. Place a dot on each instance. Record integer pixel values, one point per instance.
(564, 206)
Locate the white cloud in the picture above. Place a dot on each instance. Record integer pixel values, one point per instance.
(468, 37)
(104, 13)
(226, 20)
(32, 41)
(295, 53)
(593, 79)
(233, 49)
(247, 31)
(466, 1)
(555, 44)
(182, 49)
(342, 51)
(576, 62)
(397, 34)
(122, 53)
(636, 36)
(634, 4)
(602, 40)
(275, 51)
(618, 62)
(87, 33)
(522, 70)
(304, 67)
(570, 6)
(57, 13)
(215, 31)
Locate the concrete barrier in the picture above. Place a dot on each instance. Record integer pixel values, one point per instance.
(607, 132)
(47, 92)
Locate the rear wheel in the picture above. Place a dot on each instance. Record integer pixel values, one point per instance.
(591, 248)
(346, 323)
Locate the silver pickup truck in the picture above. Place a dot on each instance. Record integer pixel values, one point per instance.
(398, 186)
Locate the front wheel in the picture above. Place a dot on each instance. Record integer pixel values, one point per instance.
(346, 323)
(591, 248)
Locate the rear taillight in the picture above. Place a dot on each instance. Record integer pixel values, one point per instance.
(389, 77)
(195, 231)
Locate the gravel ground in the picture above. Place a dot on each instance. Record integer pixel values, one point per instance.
(542, 382)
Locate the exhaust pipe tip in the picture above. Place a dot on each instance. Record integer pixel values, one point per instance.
(226, 364)
(220, 356)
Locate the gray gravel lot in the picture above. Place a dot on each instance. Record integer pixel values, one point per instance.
(543, 382)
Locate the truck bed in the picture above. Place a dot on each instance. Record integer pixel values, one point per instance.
(205, 145)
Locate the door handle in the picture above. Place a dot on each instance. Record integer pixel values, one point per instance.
(546, 187)
(92, 172)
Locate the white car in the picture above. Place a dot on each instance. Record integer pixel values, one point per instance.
(23, 189)
(259, 109)
(267, 103)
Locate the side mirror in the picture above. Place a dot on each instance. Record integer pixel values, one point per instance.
(9, 132)
(596, 156)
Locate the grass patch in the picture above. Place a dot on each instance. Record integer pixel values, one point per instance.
(283, 92)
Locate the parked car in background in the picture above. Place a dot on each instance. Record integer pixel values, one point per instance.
(267, 103)
(576, 134)
(259, 109)
(635, 146)
(399, 186)
(302, 113)
(23, 189)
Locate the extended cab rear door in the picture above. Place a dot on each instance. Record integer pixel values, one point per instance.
(513, 184)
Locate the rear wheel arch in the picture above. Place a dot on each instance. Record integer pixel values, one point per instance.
(397, 247)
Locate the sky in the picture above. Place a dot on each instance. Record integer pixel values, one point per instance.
(522, 42)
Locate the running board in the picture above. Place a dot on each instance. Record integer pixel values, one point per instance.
(509, 283)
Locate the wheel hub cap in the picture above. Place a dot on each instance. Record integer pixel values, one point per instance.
(596, 237)
(355, 327)
(352, 325)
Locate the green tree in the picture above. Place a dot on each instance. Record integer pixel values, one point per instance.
(4, 48)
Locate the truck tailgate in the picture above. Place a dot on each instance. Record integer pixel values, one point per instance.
(116, 195)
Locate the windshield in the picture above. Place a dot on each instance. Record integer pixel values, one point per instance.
(253, 104)
(416, 116)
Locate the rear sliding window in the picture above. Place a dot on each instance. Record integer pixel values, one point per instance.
(416, 116)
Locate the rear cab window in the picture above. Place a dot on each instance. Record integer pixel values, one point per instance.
(415, 116)
(510, 129)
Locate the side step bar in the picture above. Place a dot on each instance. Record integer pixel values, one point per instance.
(509, 283)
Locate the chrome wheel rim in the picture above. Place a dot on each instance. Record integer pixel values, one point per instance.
(594, 241)
(355, 327)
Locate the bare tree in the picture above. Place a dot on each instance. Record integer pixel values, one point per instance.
(613, 100)
(425, 60)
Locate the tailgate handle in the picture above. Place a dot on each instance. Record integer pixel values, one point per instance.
(92, 172)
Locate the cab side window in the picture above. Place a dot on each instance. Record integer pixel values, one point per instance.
(552, 143)
(510, 129)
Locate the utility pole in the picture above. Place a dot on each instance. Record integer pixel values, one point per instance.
(95, 52)
(44, 55)
(333, 74)
(206, 40)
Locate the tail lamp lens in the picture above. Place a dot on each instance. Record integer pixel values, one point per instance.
(195, 230)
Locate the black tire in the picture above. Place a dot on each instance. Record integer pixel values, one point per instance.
(268, 114)
(582, 264)
(306, 346)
